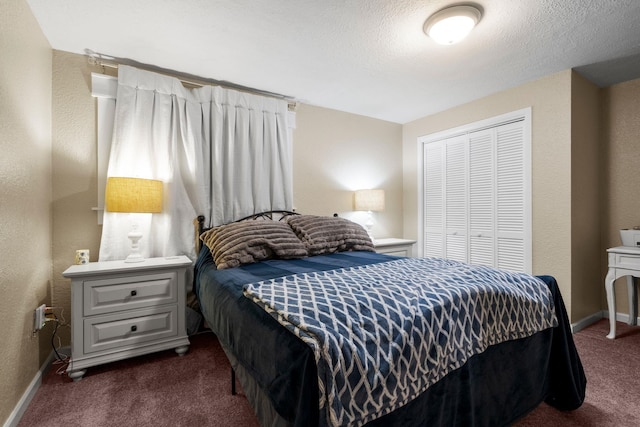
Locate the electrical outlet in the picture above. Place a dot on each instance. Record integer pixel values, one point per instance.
(39, 318)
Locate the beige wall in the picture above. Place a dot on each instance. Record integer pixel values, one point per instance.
(25, 198)
(336, 153)
(74, 161)
(550, 102)
(620, 172)
(586, 278)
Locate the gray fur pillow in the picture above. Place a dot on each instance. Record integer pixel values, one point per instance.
(322, 234)
(246, 242)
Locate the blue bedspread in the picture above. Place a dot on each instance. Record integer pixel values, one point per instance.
(492, 389)
(382, 334)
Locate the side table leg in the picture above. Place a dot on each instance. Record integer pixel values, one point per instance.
(611, 302)
(77, 374)
(182, 350)
(632, 288)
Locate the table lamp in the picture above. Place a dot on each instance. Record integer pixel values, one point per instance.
(370, 201)
(133, 196)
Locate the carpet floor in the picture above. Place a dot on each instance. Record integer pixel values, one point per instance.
(163, 389)
(160, 389)
(612, 368)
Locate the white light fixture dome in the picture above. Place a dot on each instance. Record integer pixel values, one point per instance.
(452, 24)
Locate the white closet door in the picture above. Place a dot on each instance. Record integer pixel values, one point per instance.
(482, 198)
(476, 200)
(510, 197)
(456, 198)
(434, 199)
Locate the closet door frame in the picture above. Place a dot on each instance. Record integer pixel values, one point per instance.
(524, 116)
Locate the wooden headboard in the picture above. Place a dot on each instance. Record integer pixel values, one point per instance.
(199, 226)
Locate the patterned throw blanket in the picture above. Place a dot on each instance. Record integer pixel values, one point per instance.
(383, 333)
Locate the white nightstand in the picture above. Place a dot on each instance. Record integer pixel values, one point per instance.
(121, 310)
(623, 261)
(393, 246)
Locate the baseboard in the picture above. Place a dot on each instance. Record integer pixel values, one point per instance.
(589, 320)
(604, 314)
(30, 392)
(621, 317)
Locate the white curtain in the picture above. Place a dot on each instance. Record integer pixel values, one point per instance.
(250, 155)
(220, 153)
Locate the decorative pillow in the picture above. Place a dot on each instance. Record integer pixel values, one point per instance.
(246, 242)
(322, 234)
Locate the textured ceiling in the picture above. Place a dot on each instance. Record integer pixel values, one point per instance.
(368, 57)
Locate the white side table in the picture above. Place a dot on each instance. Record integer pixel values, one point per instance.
(394, 246)
(121, 310)
(623, 261)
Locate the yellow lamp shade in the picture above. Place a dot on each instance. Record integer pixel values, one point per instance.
(133, 195)
(369, 200)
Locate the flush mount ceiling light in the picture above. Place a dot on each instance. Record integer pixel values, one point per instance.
(452, 24)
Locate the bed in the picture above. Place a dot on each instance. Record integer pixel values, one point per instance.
(278, 292)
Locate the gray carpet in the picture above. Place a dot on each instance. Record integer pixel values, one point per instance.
(612, 368)
(163, 389)
(160, 389)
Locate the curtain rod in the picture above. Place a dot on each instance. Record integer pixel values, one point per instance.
(95, 60)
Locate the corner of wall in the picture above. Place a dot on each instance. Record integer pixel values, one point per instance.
(74, 167)
(620, 175)
(25, 173)
(586, 204)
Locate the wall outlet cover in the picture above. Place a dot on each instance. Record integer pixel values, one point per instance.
(39, 317)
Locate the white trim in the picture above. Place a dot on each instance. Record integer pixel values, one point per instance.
(604, 314)
(523, 115)
(291, 120)
(528, 190)
(104, 88)
(106, 115)
(491, 122)
(587, 321)
(620, 317)
(32, 388)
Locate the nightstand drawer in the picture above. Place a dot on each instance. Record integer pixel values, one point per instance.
(630, 261)
(140, 326)
(395, 252)
(130, 292)
(394, 246)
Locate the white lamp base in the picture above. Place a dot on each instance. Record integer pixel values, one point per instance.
(369, 225)
(134, 255)
(134, 258)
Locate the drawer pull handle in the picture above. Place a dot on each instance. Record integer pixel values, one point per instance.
(134, 328)
(134, 293)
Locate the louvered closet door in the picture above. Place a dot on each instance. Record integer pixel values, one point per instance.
(477, 196)
(482, 198)
(456, 198)
(510, 195)
(434, 199)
